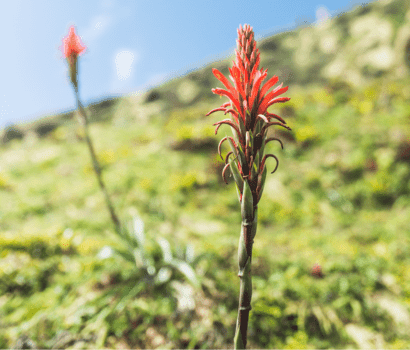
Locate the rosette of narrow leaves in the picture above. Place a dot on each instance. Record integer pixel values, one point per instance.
(158, 264)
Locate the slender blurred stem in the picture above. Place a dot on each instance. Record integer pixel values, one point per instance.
(248, 231)
(96, 164)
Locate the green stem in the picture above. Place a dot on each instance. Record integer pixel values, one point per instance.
(248, 230)
(96, 164)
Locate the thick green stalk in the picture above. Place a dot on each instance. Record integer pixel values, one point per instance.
(96, 165)
(245, 294)
(248, 231)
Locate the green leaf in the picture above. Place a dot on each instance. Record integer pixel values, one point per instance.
(166, 249)
(125, 254)
(258, 127)
(186, 270)
(242, 128)
(138, 230)
(238, 191)
(262, 149)
(255, 223)
(190, 253)
(256, 161)
(237, 151)
(263, 179)
(233, 149)
(247, 203)
(254, 170)
(235, 172)
(164, 275)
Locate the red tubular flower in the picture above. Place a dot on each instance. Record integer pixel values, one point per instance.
(72, 44)
(249, 100)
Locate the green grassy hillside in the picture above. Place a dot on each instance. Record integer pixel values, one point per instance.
(340, 198)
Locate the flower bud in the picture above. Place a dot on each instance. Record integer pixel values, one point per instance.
(317, 271)
(72, 48)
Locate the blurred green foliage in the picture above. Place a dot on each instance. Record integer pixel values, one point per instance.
(340, 198)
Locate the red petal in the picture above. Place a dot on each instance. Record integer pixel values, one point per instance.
(275, 116)
(262, 167)
(280, 99)
(272, 81)
(258, 58)
(224, 171)
(253, 73)
(229, 95)
(230, 123)
(234, 113)
(266, 102)
(216, 110)
(223, 80)
(261, 116)
(220, 145)
(266, 126)
(255, 89)
(275, 92)
(237, 78)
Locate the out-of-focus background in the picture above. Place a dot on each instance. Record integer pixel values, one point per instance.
(131, 46)
(331, 255)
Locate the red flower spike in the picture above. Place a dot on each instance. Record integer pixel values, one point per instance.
(72, 44)
(249, 98)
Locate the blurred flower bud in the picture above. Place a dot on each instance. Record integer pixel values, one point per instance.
(316, 271)
(72, 47)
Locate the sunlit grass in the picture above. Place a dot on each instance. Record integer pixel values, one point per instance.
(340, 198)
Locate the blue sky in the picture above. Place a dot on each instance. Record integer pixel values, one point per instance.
(131, 45)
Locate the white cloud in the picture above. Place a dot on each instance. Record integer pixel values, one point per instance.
(124, 68)
(124, 62)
